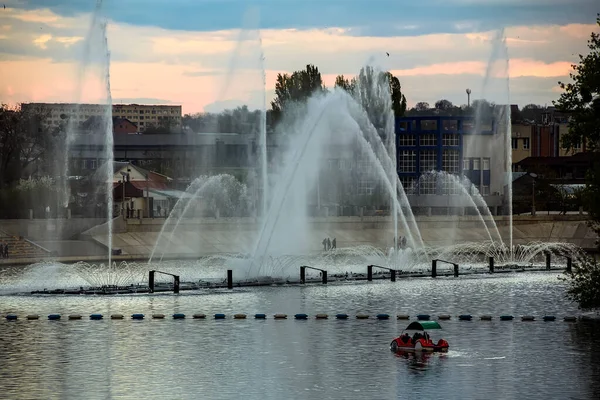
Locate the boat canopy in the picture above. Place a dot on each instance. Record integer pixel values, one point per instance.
(423, 326)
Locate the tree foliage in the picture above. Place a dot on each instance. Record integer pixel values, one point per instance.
(581, 101)
(581, 98)
(366, 86)
(444, 105)
(25, 143)
(584, 284)
(343, 83)
(421, 106)
(296, 87)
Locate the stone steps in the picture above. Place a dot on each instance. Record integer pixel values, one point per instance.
(20, 248)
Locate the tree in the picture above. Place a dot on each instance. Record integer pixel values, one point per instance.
(532, 112)
(371, 90)
(581, 98)
(584, 284)
(398, 99)
(444, 105)
(344, 83)
(421, 106)
(25, 143)
(296, 87)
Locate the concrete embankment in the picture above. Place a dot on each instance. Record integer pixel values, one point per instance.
(197, 237)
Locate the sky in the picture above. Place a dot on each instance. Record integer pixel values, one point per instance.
(209, 55)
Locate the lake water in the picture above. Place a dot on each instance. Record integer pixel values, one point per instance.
(313, 359)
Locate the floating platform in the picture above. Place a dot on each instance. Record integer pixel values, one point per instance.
(161, 287)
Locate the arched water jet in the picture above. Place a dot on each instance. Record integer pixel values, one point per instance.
(374, 141)
(222, 184)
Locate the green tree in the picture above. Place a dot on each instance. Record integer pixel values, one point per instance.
(444, 105)
(344, 83)
(398, 99)
(421, 106)
(581, 98)
(581, 101)
(584, 284)
(296, 87)
(26, 142)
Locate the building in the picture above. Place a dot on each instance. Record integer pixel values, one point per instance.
(542, 138)
(429, 144)
(185, 156)
(161, 118)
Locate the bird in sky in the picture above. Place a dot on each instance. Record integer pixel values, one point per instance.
(388, 54)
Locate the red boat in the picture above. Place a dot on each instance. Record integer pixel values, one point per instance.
(416, 338)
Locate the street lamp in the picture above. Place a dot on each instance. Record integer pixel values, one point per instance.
(533, 175)
(468, 97)
(124, 175)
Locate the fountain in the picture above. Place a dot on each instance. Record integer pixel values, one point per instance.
(358, 127)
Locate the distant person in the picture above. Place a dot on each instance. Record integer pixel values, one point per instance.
(333, 243)
(6, 251)
(328, 244)
(324, 244)
(2, 250)
(158, 208)
(404, 242)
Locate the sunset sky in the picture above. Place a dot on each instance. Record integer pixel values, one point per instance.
(206, 54)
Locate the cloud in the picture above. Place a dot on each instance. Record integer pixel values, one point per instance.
(41, 41)
(432, 16)
(224, 67)
(201, 73)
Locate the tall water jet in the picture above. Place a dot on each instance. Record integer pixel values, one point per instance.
(263, 134)
(108, 141)
(332, 120)
(495, 119)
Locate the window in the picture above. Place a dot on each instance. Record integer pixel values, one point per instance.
(408, 183)
(364, 165)
(466, 164)
(427, 184)
(514, 143)
(407, 161)
(153, 112)
(427, 161)
(141, 111)
(450, 125)
(141, 117)
(450, 139)
(333, 164)
(366, 186)
(451, 186)
(450, 161)
(526, 143)
(407, 140)
(485, 190)
(486, 164)
(428, 140)
(476, 164)
(577, 145)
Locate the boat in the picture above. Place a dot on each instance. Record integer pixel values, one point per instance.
(416, 338)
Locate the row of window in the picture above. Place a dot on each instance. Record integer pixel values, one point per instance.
(476, 164)
(432, 185)
(448, 139)
(407, 161)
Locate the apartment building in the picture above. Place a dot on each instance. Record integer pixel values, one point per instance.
(167, 118)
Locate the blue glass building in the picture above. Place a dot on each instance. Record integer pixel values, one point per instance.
(437, 143)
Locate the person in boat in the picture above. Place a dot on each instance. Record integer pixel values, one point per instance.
(405, 338)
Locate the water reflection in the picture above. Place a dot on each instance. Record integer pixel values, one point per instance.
(313, 359)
